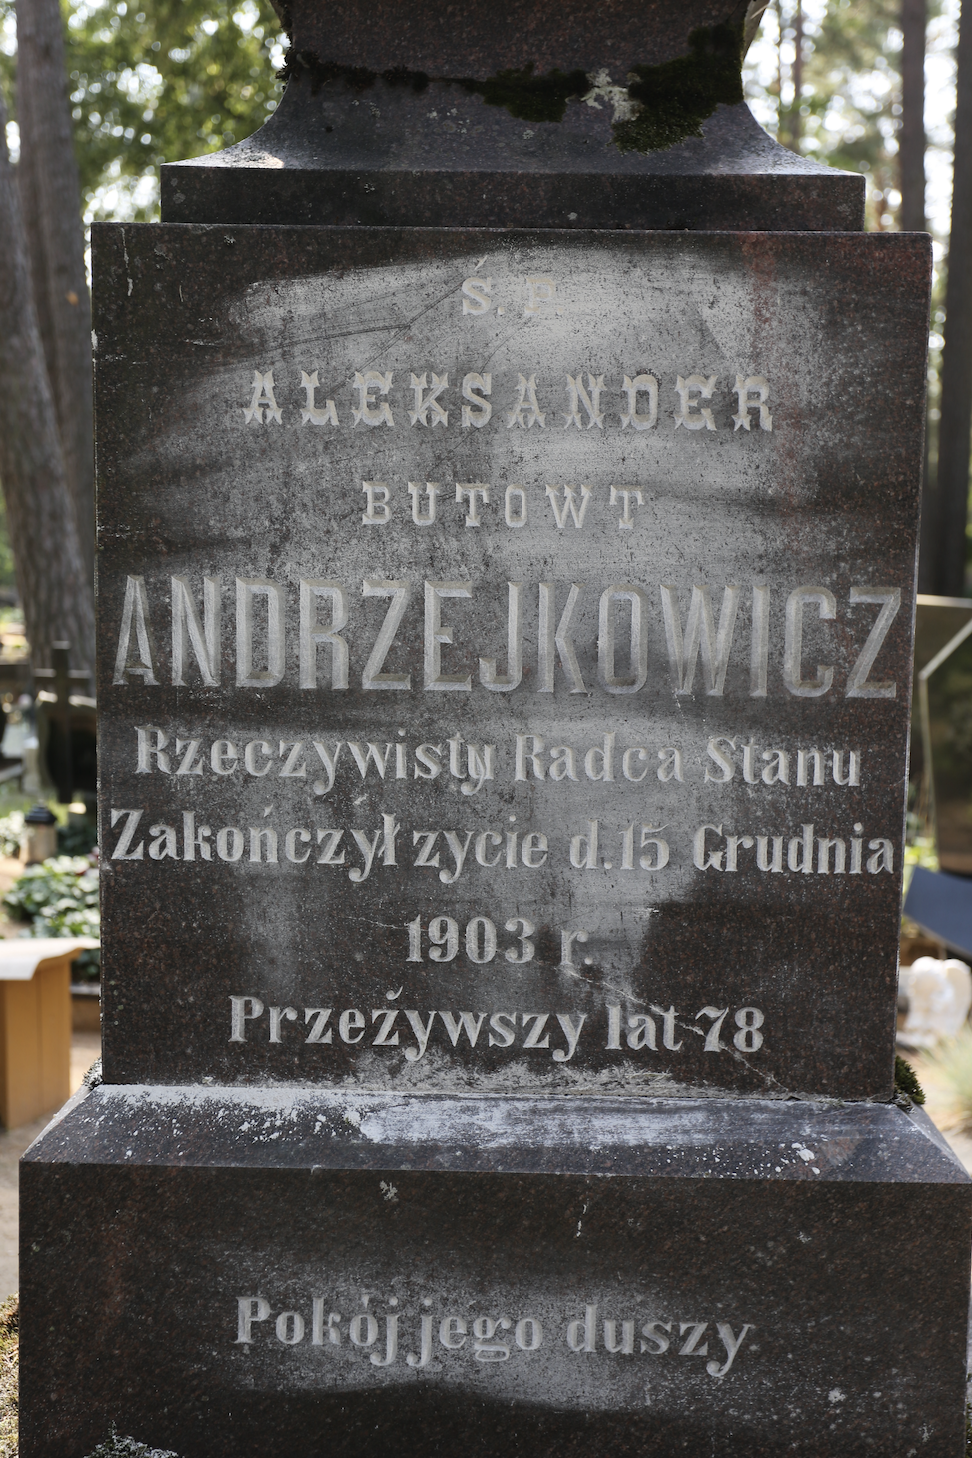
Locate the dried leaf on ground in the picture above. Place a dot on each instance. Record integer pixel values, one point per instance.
(9, 1372)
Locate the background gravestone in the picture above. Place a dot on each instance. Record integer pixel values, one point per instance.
(505, 657)
(937, 620)
(949, 736)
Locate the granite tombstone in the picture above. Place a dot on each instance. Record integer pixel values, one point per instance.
(505, 637)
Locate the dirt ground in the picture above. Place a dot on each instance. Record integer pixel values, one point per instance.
(85, 1048)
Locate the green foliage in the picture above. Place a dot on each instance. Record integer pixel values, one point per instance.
(159, 82)
(8, 577)
(58, 898)
(116, 1447)
(906, 1081)
(675, 98)
(844, 122)
(847, 115)
(78, 837)
(11, 833)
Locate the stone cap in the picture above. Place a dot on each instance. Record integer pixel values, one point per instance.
(544, 116)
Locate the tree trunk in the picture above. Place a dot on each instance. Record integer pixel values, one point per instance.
(911, 133)
(780, 118)
(911, 215)
(51, 196)
(796, 117)
(51, 574)
(947, 569)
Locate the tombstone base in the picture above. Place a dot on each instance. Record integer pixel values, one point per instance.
(290, 1272)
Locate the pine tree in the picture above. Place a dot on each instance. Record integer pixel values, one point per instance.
(51, 574)
(945, 552)
(51, 200)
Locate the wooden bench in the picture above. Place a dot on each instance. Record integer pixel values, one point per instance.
(35, 1025)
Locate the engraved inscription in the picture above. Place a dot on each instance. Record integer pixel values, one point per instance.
(697, 645)
(426, 398)
(433, 1335)
(514, 656)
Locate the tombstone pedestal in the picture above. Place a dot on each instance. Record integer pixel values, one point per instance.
(290, 1271)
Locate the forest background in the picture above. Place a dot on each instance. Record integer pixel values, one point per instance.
(865, 85)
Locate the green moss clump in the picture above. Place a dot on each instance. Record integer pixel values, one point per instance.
(676, 97)
(528, 97)
(906, 1081)
(416, 81)
(672, 100)
(356, 78)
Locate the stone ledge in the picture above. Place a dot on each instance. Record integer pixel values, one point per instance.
(300, 1128)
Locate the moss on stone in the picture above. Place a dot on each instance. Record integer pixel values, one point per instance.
(906, 1081)
(671, 100)
(528, 97)
(675, 98)
(416, 81)
(296, 63)
(525, 96)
